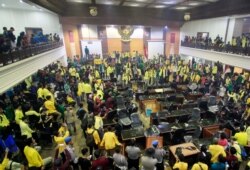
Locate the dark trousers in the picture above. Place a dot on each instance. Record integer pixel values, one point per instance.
(133, 163)
(91, 149)
(160, 166)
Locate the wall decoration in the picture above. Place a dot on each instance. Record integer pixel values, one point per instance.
(93, 11)
(125, 32)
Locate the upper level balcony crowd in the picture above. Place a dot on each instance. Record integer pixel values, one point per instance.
(237, 45)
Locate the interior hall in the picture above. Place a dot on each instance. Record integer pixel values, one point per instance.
(124, 85)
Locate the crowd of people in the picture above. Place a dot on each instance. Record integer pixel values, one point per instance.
(238, 45)
(45, 108)
(9, 42)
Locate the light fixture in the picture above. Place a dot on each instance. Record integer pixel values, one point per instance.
(187, 17)
(3, 5)
(21, 1)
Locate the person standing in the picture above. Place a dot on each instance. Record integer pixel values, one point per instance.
(120, 161)
(86, 52)
(148, 161)
(133, 155)
(109, 141)
(33, 157)
(159, 155)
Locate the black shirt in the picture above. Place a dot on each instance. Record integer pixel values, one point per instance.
(84, 163)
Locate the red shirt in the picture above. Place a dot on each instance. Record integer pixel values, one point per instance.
(102, 161)
(223, 142)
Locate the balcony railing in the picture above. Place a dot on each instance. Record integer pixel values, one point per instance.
(220, 48)
(18, 55)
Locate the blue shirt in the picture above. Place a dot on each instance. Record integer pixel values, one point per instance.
(218, 166)
(9, 143)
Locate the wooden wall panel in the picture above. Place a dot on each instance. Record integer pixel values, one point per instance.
(74, 29)
(136, 45)
(172, 48)
(114, 44)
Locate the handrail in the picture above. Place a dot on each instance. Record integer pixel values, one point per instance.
(225, 48)
(18, 55)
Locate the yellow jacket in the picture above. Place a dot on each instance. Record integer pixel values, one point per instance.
(87, 88)
(214, 70)
(215, 151)
(109, 140)
(80, 88)
(33, 157)
(4, 164)
(146, 75)
(18, 115)
(180, 166)
(4, 122)
(95, 135)
(50, 106)
(60, 141)
(199, 165)
(25, 129)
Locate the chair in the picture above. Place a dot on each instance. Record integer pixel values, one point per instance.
(123, 117)
(136, 122)
(195, 116)
(212, 101)
(120, 103)
(178, 137)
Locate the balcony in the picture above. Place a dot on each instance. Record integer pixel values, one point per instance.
(19, 65)
(18, 55)
(228, 55)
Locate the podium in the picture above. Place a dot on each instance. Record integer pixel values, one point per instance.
(150, 139)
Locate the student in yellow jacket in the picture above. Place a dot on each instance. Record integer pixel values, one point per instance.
(216, 150)
(33, 157)
(5, 161)
(146, 78)
(59, 139)
(109, 140)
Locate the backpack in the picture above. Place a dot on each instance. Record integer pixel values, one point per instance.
(243, 153)
(90, 141)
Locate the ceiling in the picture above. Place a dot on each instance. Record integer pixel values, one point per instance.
(20, 4)
(142, 12)
(173, 4)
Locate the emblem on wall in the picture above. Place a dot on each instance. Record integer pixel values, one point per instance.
(125, 32)
(93, 11)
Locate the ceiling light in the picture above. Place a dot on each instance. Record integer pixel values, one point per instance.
(169, 2)
(194, 3)
(3, 5)
(159, 6)
(187, 17)
(181, 8)
(21, 1)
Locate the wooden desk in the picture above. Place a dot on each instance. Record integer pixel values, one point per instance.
(193, 96)
(108, 122)
(189, 154)
(132, 133)
(151, 104)
(150, 139)
(209, 131)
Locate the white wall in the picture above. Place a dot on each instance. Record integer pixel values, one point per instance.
(95, 47)
(13, 74)
(89, 31)
(112, 32)
(156, 33)
(155, 48)
(215, 26)
(226, 58)
(238, 28)
(138, 33)
(19, 19)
